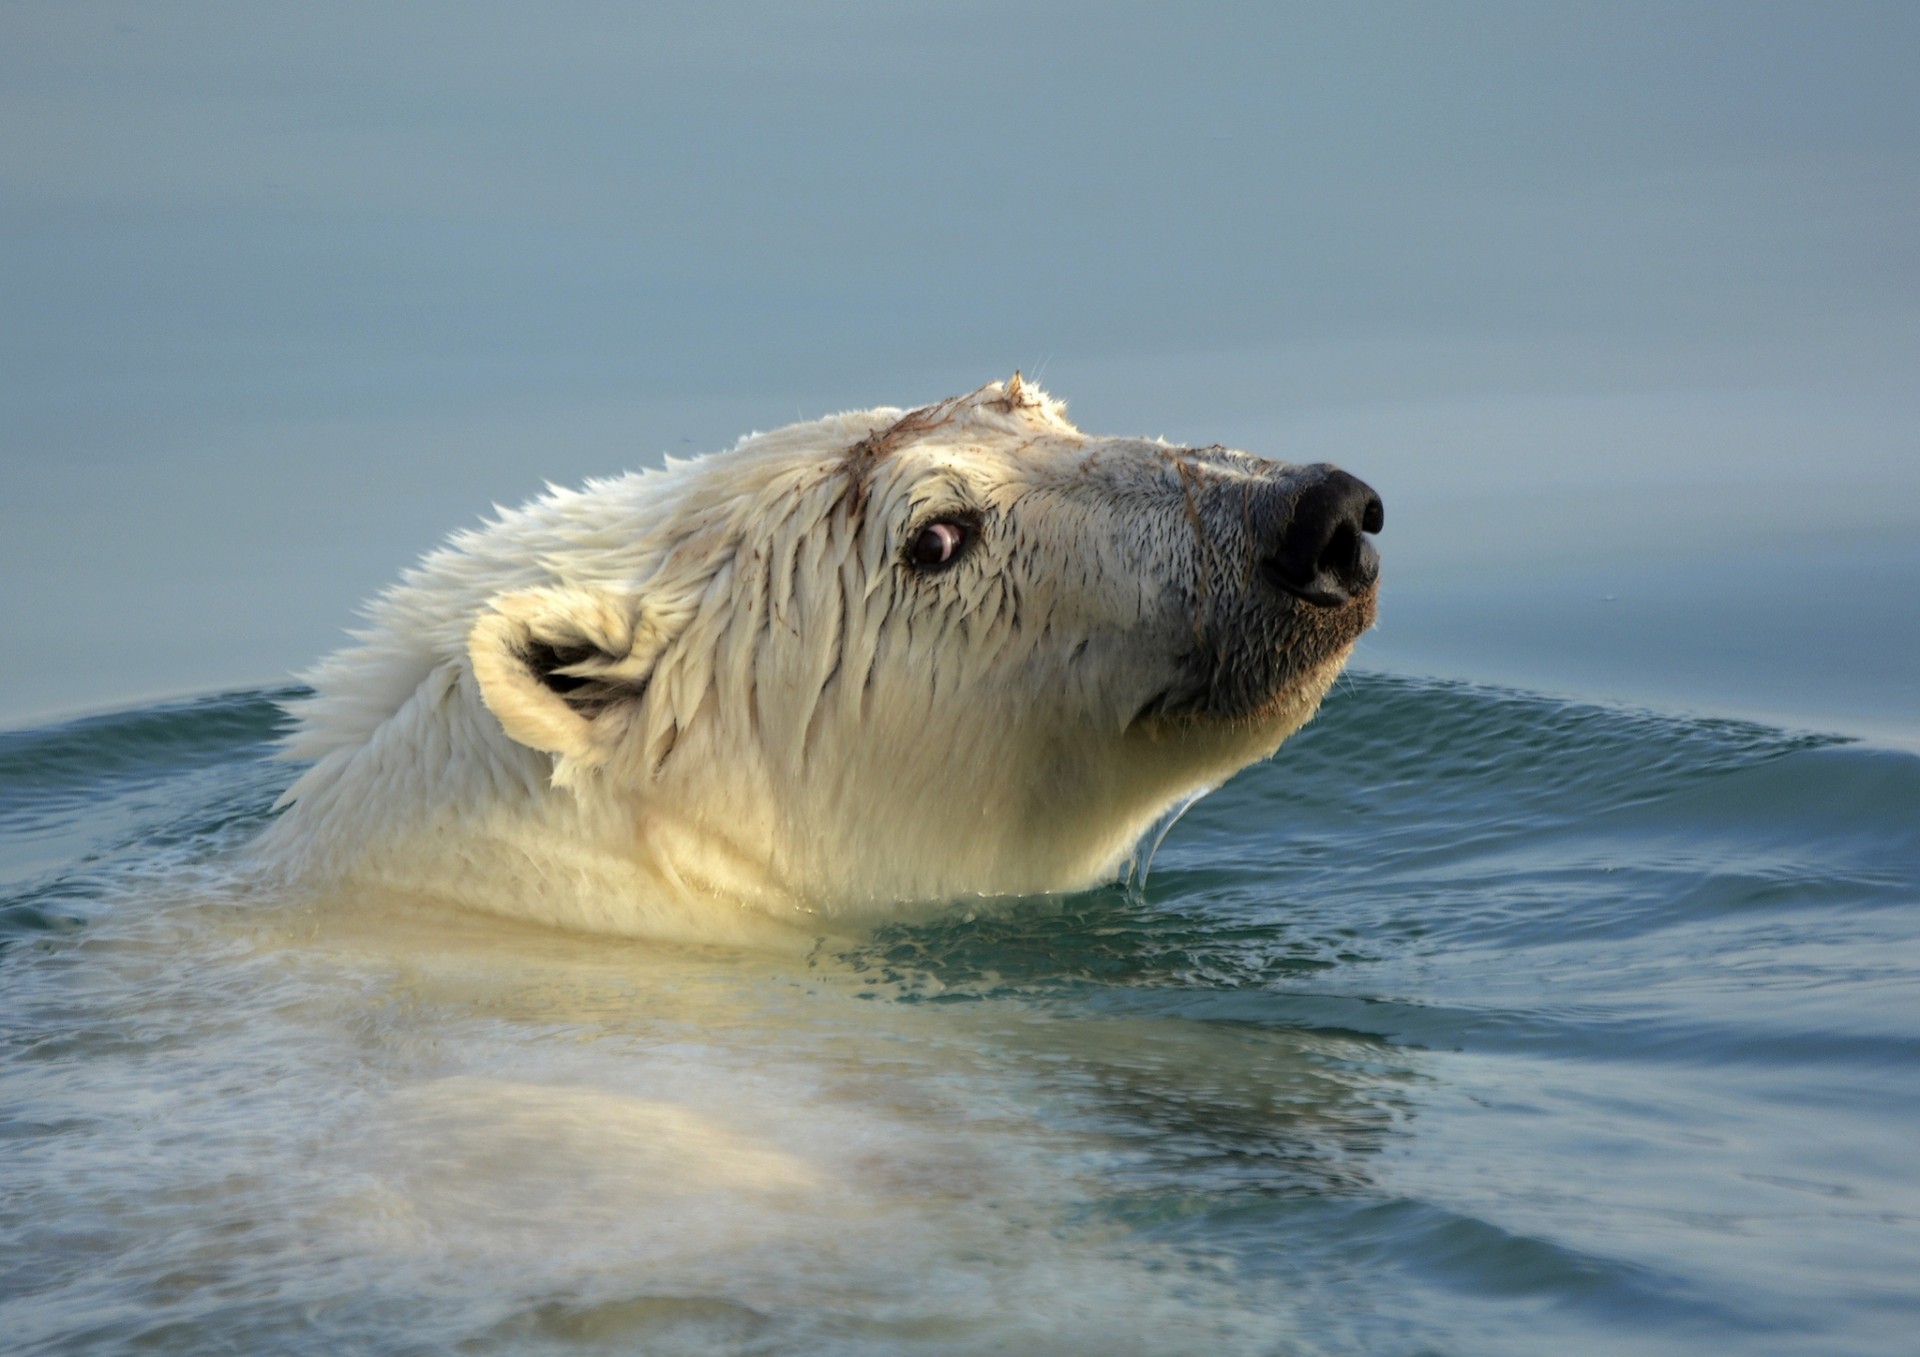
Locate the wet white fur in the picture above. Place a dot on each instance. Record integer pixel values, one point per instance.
(822, 731)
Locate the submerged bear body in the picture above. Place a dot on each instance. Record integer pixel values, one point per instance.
(879, 659)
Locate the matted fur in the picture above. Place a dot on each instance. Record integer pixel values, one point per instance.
(676, 701)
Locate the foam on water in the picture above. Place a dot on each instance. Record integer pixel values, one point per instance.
(1474, 1023)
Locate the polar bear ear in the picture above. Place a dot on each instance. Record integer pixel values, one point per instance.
(553, 665)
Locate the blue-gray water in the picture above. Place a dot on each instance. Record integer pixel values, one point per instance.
(1476, 1022)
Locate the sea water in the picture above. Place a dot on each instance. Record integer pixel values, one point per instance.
(1476, 1022)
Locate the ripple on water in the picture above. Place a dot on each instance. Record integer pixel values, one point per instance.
(1477, 1022)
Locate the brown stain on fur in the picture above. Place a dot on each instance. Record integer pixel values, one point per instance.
(1015, 396)
(863, 456)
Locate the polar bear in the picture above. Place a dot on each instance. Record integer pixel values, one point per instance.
(877, 660)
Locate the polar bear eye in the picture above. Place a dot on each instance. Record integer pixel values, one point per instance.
(939, 544)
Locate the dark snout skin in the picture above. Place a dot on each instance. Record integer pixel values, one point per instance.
(1287, 580)
(1314, 546)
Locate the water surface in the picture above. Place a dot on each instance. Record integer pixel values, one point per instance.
(1475, 1023)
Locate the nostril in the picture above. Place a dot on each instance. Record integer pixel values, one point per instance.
(1374, 516)
(1341, 555)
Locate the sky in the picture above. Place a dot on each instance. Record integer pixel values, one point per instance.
(1615, 303)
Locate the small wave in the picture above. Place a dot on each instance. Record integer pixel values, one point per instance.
(164, 781)
(50, 769)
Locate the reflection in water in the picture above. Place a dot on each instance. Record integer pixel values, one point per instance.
(350, 1106)
(539, 1135)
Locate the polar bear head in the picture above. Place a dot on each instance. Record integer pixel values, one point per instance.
(887, 657)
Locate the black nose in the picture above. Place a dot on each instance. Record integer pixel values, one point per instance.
(1321, 553)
